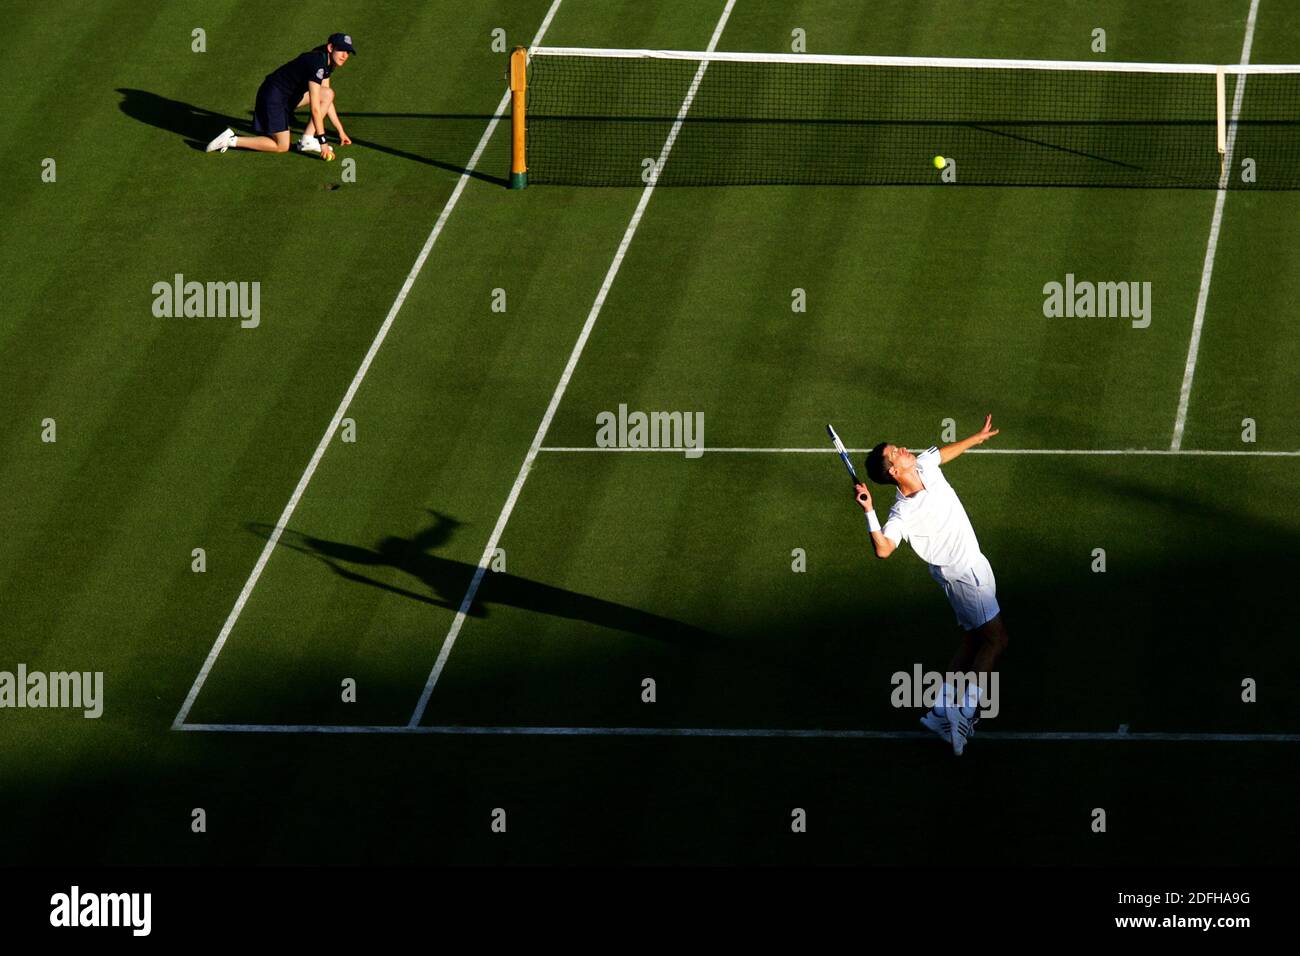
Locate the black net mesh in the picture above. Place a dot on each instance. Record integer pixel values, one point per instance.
(595, 121)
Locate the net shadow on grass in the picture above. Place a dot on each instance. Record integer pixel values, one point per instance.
(448, 580)
(408, 136)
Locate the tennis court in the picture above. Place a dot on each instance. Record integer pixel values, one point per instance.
(460, 608)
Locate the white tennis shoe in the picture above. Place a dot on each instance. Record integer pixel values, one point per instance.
(962, 730)
(223, 142)
(939, 725)
(308, 144)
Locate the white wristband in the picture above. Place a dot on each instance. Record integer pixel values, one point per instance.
(873, 523)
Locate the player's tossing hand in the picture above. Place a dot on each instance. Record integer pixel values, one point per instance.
(988, 431)
(862, 495)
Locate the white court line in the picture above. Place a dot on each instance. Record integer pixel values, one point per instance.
(971, 451)
(994, 735)
(1212, 246)
(450, 640)
(347, 400)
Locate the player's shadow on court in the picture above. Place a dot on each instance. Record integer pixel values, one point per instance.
(404, 135)
(449, 580)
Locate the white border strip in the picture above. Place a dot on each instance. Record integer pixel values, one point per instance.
(561, 386)
(330, 429)
(1094, 66)
(972, 451)
(994, 736)
(1212, 245)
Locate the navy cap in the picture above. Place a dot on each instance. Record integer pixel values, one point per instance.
(342, 41)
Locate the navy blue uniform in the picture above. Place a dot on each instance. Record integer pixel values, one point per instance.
(281, 91)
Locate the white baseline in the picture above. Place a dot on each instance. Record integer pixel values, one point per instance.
(799, 733)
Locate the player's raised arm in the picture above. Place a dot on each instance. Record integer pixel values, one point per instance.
(948, 452)
(884, 546)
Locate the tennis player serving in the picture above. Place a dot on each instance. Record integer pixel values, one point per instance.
(929, 516)
(303, 81)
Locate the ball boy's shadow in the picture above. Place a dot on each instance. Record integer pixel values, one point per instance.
(404, 135)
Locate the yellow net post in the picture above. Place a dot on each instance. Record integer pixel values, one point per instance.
(518, 125)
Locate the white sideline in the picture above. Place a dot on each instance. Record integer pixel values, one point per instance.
(973, 451)
(316, 457)
(1212, 246)
(455, 730)
(561, 386)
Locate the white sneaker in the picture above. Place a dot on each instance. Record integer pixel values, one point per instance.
(962, 730)
(223, 142)
(939, 725)
(308, 144)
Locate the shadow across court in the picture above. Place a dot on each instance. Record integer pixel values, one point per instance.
(411, 136)
(446, 581)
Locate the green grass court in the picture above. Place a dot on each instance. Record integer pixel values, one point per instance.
(923, 303)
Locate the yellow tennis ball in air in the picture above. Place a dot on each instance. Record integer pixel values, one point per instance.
(939, 162)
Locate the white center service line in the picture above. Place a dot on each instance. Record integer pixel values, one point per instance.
(274, 538)
(1212, 246)
(972, 451)
(563, 384)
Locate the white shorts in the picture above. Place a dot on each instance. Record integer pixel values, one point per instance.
(972, 593)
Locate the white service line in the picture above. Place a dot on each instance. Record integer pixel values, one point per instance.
(450, 640)
(316, 457)
(1212, 246)
(994, 736)
(972, 451)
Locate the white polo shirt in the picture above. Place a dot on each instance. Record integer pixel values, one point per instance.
(934, 523)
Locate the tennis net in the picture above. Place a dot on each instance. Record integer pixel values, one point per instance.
(601, 117)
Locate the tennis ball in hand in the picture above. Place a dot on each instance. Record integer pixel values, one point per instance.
(939, 162)
(329, 157)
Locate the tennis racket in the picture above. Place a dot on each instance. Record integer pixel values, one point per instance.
(844, 454)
